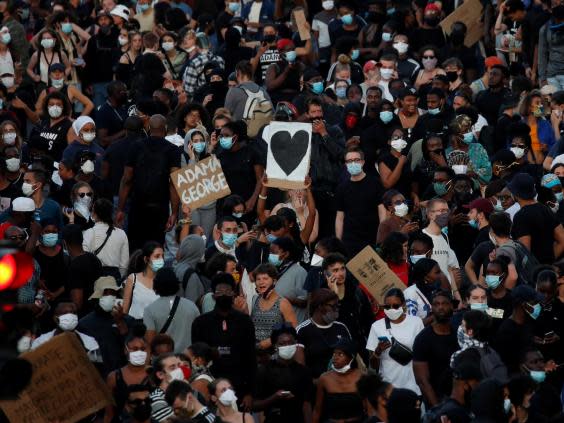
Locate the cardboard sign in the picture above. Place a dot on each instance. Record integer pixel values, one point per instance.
(65, 386)
(200, 183)
(299, 17)
(289, 151)
(470, 12)
(373, 272)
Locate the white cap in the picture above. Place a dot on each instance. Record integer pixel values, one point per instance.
(121, 11)
(548, 90)
(23, 204)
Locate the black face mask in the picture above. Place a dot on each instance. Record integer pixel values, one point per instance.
(462, 197)
(269, 38)
(432, 22)
(375, 17)
(452, 76)
(224, 302)
(142, 411)
(106, 29)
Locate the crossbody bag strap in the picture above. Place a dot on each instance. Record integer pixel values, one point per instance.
(108, 233)
(171, 314)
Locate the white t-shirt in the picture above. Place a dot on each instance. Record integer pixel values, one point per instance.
(443, 254)
(405, 333)
(512, 211)
(417, 304)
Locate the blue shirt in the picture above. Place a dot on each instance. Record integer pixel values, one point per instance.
(49, 210)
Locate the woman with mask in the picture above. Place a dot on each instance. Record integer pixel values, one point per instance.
(396, 219)
(433, 158)
(542, 134)
(269, 308)
(223, 396)
(283, 78)
(51, 259)
(85, 129)
(393, 165)
(132, 42)
(425, 281)
(9, 136)
(234, 205)
(80, 211)
(394, 253)
(500, 305)
(173, 56)
(48, 52)
(429, 58)
(138, 289)
(212, 94)
(8, 54)
(53, 132)
(291, 275)
(14, 167)
(298, 201)
(462, 139)
(284, 386)
(340, 88)
(337, 398)
(201, 357)
(133, 373)
(396, 327)
(191, 116)
(520, 144)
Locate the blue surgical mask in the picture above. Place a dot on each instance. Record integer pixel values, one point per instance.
(391, 11)
(538, 375)
(317, 87)
(234, 7)
(226, 142)
(237, 215)
(274, 259)
(493, 281)
(468, 137)
(414, 259)
(498, 206)
(157, 264)
(49, 240)
(479, 306)
(386, 116)
(271, 238)
(440, 188)
(341, 92)
(347, 19)
(559, 196)
(144, 7)
(474, 223)
(355, 54)
(386, 37)
(434, 111)
(199, 147)
(354, 168)
(228, 239)
(66, 27)
(507, 405)
(290, 56)
(537, 308)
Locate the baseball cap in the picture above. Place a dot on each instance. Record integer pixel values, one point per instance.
(432, 7)
(523, 186)
(525, 294)
(408, 91)
(482, 205)
(369, 65)
(23, 204)
(121, 11)
(283, 43)
(105, 282)
(548, 90)
(56, 67)
(492, 61)
(346, 345)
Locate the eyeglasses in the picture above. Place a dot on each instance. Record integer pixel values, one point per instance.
(394, 306)
(85, 194)
(353, 161)
(428, 57)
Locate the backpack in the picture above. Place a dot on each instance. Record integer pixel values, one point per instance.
(258, 111)
(525, 262)
(491, 365)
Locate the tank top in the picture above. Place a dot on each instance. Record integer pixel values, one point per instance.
(120, 393)
(44, 64)
(265, 320)
(141, 297)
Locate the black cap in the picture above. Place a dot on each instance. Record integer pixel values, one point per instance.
(408, 91)
(442, 78)
(311, 73)
(523, 186)
(57, 67)
(347, 346)
(504, 157)
(525, 294)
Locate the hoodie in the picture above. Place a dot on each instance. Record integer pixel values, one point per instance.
(190, 253)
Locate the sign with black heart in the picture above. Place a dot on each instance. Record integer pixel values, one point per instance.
(289, 151)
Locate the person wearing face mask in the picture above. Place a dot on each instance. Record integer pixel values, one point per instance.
(396, 220)
(357, 199)
(349, 124)
(400, 327)
(166, 368)
(542, 134)
(321, 330)
(347, 51)
(9, 136)
(231, 332)
(429, 32)
(426, 279)
(320, 26)
(432, 349)
(185, 402)
(551, 181)
(134, 372)
(57, 83)
(407, 67)
(51, 259)
(66, 320)
(85, 130)
(429, 56)
(284, 386)
(388, 66)
(225, 400)
(478, 214)
(337, 397)
(145, 15)
(8, 190)
(282, 79)
(48, 52)
(393, 166)
(500, 305)
(80, 210)
(348, 23)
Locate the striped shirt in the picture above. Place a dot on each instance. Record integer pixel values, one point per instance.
(160, 410)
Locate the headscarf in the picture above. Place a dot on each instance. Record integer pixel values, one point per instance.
(79, 123)
(191, 132)
(190, 253)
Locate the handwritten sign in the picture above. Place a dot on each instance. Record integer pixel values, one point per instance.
(289, 151)
(200, 183)
(299, 17)
(373, 272)
(470, 13)
(65, 386)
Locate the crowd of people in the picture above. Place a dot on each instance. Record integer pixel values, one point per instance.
(447, 158)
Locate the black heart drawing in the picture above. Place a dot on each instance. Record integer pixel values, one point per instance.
(289, 151)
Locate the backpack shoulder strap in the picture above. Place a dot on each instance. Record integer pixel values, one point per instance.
(186, 277)
(171, 314)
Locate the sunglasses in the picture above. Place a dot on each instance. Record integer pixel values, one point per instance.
(428, 57)
(394, 306)
(85, 194)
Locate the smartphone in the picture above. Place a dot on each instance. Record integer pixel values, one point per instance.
(383, 339)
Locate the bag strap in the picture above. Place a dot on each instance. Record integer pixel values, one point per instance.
(108, 233)
(388, 326)
(189, 272)
(171, 314)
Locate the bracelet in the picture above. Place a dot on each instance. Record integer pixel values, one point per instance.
(185, 222)
(263, 197)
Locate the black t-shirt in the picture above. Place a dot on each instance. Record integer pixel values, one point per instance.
(359, 201)
(511, 340)
(110, 118)
(436, 350)
(489, 102)
(293, 377)
(83, 272)
(500, 309)
(480, 256)
(421, 37)
(269, 57)
(537, 221)
(318, 344)
(50, 140)
(403, 185)
(8, 194)
(238, 167)
(116, 156)
(53, 269)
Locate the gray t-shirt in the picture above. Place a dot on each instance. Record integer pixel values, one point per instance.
(291, 285)
(237, 98)
(180, 329)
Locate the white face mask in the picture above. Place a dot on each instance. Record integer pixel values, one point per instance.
(399, 145)
(87, 167)
(401, 47)
(123, 41)
(176, 374)
(228, 397)
(286, 352)
(13, 164)
(8, 81)
(386, 74)
(88, 136)
(82, 207)
(107, 302)
(460, 169)
(55, 111)
(138, 358)
(48, 43)
(393, 313)
(27, 189)
(68, 321)
(343, 369)
(24, 344)
(518, 151)
(9, 138)
(328, 4)
(168, 46)
(401, 210)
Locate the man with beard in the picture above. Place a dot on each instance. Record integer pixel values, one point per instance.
(112, 114)
(433, 348)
